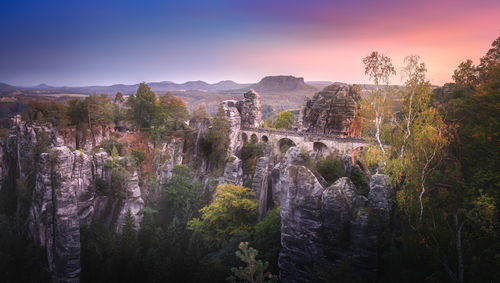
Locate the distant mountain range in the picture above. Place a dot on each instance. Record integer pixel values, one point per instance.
(268, 85)
(129, 89)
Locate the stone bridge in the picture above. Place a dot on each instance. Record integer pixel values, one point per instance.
(339, 144)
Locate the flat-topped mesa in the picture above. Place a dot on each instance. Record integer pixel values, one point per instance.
(331, 111)
(250, 110)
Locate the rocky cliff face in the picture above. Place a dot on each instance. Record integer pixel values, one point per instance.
(234, 119)
(133, 202)
(64, 197)
(283, 84)
(233, 173)
(170, 154)
(194, 154)
(329, 226)
(260, 184)
(330, 111)
(53, 220)
(250, 110)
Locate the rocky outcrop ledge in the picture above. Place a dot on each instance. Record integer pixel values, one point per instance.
(328, 227)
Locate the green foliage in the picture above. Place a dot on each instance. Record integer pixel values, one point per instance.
(218, 139)
(254, 271)
(119, 179)
(138, 156)
(169, 119)
(199, 112)
(250, 153)
(109, 144)
(142, 106)
(360, 181)
(330, 168)
(183, 195)
(447, 175)
(284, 120)
(267, 238)
(77, 111)
(128, 238)
(99, 109)
(46, 112)
(99, 253)
(268, 123)
(234, 209)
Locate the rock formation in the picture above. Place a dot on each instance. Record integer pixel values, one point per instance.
(53, 218)
(64, 197)
(260, 184)
(283, 84)
(194, 154)
(329, 226)
(171, 154)
(250, 110)
(330, 111)
(233, 172)
(234, 119)
(133, 202)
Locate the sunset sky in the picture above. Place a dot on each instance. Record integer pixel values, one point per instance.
(96, 43)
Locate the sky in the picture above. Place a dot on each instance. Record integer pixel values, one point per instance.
(88, 42)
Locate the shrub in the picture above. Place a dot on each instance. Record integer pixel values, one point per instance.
(108, 145)
(267, 238)
(359, 180)
(250, 152)
(118, 182)
(331, 169)
(284, 120)
(138, 156)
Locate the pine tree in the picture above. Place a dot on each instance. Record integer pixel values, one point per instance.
(128, 240)
(255, 271)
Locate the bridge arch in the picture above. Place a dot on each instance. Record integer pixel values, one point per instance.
(264, 139)
(244, 137)
(285, 143)
(321, 148)
(254, 138)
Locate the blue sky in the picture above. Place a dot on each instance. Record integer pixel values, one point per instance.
(106, 42)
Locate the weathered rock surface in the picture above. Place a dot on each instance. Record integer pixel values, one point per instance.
(98, 160)
(294, 155)
(260, 184)
(233, 172)
(347, 162)
(133, 202)
(301, 225)
(165, 160)
(234, 120)
(250, 110)
(338, 203)
(327, 226)
(194, 155)
(64, 197)
(82, 182)
(53, 221)
(330, 111)
(381, 196)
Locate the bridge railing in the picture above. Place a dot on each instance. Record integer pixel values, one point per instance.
(341, 136)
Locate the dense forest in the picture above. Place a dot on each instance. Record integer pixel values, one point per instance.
(439, 146)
